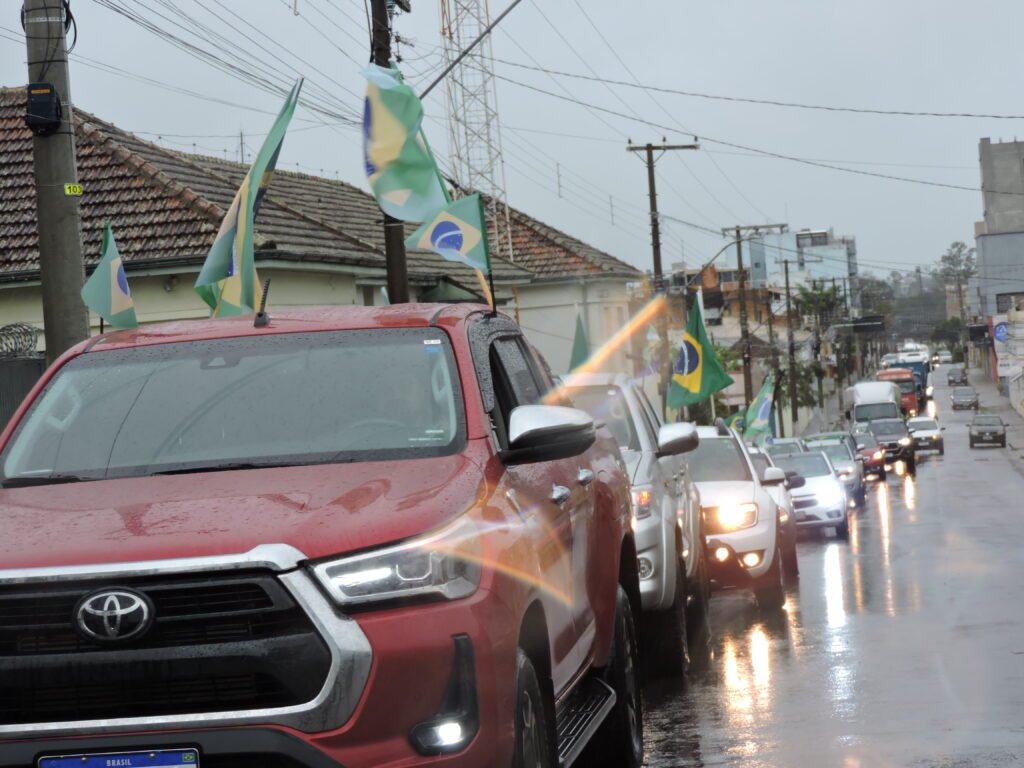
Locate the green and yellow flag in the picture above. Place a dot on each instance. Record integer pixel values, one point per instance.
(399, 165)
(697, 373)
(580, 346)
(759, 414)
(228, 281)
(458, 232)
(106, 291)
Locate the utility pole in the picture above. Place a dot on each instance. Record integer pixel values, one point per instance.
(775, 362)
(394, 230)
(792, 351)
(61, 269)
(659, 286)
(748, 384)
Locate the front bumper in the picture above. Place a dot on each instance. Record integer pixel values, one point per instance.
(988, 439)
(821, 515)
(413, 665)
(928, 444)
(654, 542)
(759, 538)
(965, 406)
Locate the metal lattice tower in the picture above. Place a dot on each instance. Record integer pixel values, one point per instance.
(474, 130)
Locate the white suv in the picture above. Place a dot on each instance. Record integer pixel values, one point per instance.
(741, 519)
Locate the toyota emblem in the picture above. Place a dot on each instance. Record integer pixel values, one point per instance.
(111, 615)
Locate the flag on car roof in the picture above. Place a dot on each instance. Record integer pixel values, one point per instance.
(580, 346)
(228, 282)
(399, 165)
(697, 373)
(106, 291)
(759, 414)
(458, 232)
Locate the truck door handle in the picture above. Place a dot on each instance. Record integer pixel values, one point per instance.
(585, 477)
(560, 494)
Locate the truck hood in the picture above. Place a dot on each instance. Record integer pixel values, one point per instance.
(319, 510)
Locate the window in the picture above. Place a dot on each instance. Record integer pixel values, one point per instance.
(718, 459)
(607, 404)
(805, 464)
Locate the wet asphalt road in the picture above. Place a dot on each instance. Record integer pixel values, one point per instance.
(902, 647)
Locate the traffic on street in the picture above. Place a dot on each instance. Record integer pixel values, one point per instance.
(511, 384)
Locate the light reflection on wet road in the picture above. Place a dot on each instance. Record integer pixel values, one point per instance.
(902, 647)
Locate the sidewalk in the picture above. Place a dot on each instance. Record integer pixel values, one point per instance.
(994, 403)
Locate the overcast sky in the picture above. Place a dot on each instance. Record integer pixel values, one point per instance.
(939, 56)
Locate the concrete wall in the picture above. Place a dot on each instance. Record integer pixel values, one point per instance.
(1000, 268)
(1002, 183)
(548, 311)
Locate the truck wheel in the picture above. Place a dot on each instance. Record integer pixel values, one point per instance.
(698, 612)
(790, 565)
(667, 654)
(534, 733)
(843, 529)
(621, 740)
(769, 592)
(912, 467)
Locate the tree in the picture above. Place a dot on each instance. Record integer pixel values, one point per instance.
(875, 295)
(956, 266)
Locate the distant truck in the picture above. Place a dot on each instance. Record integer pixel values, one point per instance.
(919, 363)
(870, 400)
(904, 379)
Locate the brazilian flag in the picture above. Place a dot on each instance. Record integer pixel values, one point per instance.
(697, 374)
(106, 291)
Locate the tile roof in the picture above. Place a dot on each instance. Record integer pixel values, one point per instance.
(166, 206)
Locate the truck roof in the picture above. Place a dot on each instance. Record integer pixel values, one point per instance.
(875, 391)
(308, 319)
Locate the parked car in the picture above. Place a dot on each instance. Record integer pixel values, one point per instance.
(847, 467)
(872, 455)
(927, 434)
(784, 502)
(783, 446)
(894, 437)
(965, 398)
(986, 429)
(674, 582)
(842, 436)
(741, 519)
(822, 501)
(353, 536)
(956, 377)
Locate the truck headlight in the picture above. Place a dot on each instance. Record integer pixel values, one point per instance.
(831, 496)
(904, 441)
(732, 517)
(443, 565)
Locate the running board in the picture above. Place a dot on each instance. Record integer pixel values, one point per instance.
(579, 718)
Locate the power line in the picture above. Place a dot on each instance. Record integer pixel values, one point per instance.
(763, 102)
(764, 152)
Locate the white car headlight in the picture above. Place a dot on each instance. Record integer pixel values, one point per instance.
(443, 565)
(831, 495)
(732, 517)
(904, 441)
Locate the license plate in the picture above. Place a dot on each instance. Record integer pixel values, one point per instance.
(161, 758)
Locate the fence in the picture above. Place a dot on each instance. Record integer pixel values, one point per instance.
(20, 366)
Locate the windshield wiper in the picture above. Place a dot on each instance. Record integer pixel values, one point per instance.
(25, 482)
(222, 467)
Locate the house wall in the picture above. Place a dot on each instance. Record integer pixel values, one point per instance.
(1000, 260)
(165, 297)
(548, 311)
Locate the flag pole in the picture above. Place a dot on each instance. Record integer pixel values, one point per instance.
(700, 306)
(101, 323)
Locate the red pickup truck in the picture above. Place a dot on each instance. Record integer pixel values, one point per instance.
(353, 537)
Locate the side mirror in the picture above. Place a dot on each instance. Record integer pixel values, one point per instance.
(942, 429)
(674, 439)
(793, 480)
(773, 476)
(546, 433)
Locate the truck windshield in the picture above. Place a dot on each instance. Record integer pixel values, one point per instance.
(242, 402)
(907, 387)
(607, 404)
(718, 459)
(872, 411)
(889, 427)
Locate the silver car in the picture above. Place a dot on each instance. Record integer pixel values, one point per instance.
(848, 467)
(821, 502)
(674, 582)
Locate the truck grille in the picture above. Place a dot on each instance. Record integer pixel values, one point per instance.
(219, 643)
(805, 502)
